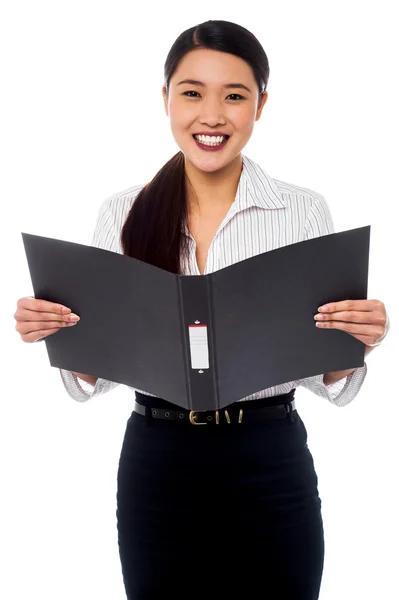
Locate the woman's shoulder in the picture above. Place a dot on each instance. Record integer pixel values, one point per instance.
(297, 190)
(122, 199)
(111, 216)
(287, 190)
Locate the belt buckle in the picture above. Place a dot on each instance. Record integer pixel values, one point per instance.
(192, 417)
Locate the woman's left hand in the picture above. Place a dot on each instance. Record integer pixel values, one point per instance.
(364, 319)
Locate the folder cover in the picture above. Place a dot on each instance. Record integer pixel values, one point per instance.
(202, 341)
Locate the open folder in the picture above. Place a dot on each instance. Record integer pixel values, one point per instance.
(202, 341)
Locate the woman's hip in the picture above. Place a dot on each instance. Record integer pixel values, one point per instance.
(267, 464)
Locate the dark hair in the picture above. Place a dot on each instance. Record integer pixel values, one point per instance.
(154, 228)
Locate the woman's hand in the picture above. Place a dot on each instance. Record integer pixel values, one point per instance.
(366, 320)
(37, 319)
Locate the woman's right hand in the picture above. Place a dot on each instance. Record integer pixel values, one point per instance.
(37, 319)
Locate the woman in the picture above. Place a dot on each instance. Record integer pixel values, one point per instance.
(233, 507)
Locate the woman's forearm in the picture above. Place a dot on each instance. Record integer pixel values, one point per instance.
(88, 378)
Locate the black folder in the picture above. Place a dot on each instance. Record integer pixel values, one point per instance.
(202, 341)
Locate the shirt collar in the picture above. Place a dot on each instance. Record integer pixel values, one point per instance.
(257, 188)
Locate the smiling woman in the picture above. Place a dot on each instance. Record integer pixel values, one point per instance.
(202, 493)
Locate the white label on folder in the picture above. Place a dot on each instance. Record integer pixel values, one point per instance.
(199, 346)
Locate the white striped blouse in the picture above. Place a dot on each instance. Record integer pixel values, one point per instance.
(266, 214)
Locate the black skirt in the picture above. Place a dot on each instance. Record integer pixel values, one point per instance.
(209, 510)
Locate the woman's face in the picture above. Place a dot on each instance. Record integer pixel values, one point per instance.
(194, 108)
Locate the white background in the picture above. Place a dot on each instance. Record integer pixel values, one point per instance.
(82, 118)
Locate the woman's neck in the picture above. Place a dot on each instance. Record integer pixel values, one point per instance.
(213, 190)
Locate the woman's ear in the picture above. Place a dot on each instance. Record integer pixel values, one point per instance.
(165, 99)
(262, 103)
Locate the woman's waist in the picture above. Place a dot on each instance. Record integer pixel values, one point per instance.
(275, 400)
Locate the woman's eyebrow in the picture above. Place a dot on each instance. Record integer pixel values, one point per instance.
(228, 85)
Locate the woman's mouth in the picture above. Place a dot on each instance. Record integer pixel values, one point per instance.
(211, 143)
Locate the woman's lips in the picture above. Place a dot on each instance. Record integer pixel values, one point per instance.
(211, 148)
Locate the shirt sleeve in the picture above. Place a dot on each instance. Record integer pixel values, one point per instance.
(107, 237)
(319, 222)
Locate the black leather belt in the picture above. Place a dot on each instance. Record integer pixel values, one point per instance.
(234, 413)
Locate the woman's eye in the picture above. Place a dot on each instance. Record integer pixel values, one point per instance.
(238, 96)
(193, 92)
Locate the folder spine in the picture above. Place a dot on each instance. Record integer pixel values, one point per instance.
(195, 296)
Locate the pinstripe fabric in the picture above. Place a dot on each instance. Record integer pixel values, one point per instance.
(267, 213)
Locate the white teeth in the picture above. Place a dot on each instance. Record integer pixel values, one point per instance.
(210, 140)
